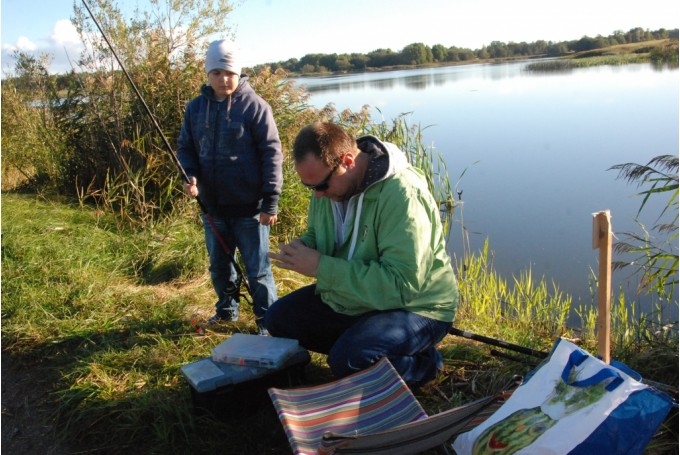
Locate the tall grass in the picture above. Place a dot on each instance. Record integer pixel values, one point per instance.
(410, 139)
(525, 311)
(655, 251)
(31, 138)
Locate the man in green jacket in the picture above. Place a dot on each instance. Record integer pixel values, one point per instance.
(375, 244)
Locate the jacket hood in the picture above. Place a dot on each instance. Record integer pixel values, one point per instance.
(396, 159)
(243, 90)
(379, 170)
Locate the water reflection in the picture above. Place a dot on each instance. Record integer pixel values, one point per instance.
(417, 82)
(417, 79)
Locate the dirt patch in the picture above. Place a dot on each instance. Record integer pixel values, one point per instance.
(27, 426)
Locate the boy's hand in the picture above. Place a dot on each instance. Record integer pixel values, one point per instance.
(190, 188)
(267, 219)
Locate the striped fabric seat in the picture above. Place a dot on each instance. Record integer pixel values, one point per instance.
(368, 401)
(373, 412)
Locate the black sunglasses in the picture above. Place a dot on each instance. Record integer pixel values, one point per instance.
(323, 185)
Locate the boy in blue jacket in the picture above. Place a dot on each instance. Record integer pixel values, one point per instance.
(230, 149)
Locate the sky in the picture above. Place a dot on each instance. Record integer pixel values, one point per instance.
(276, 30)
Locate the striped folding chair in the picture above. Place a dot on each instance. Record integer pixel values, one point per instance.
(370, 412)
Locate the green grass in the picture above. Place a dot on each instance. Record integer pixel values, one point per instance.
(81, 307)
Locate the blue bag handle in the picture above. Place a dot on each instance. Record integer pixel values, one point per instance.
(576, 358)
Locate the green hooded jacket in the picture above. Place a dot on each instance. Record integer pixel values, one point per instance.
(392, 255)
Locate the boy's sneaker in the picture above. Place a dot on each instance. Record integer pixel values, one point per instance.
(223, 316)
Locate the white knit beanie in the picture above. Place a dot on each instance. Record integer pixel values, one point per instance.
(222, 55)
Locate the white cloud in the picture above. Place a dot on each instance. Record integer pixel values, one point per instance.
(26, 45)
(63, 46)
(64, 33)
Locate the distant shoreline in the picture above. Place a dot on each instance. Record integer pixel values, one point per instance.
(385, 69)
(641, 51)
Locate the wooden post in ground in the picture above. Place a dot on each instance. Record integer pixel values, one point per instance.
(602, 239)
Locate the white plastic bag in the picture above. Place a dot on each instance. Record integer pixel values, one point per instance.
(572, 404)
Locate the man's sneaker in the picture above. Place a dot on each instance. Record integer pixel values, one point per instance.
(261, 329)
(431, 378)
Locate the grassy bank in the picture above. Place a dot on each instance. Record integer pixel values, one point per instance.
(660, 52)
(109, 317)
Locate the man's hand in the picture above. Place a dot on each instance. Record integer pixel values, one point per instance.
(267, 219)
(297, 257)
(190, 187)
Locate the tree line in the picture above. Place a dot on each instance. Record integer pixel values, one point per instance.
(416, 54)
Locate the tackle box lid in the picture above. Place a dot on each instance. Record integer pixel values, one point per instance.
(254, 350)
(206, 375)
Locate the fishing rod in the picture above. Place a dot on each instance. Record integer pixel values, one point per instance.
(671, 390)
(514, 358)
(185, 177)
(498, 343)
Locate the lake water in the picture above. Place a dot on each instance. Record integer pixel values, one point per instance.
(535, 149)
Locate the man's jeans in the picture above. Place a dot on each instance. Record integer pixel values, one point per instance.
(354, 343)
(252, 240)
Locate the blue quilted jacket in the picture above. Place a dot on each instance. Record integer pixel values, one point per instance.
(233, 149)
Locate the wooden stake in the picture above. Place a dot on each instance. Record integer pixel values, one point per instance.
(602, 239)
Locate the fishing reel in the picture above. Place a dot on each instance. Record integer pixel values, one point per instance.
(232, 289)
